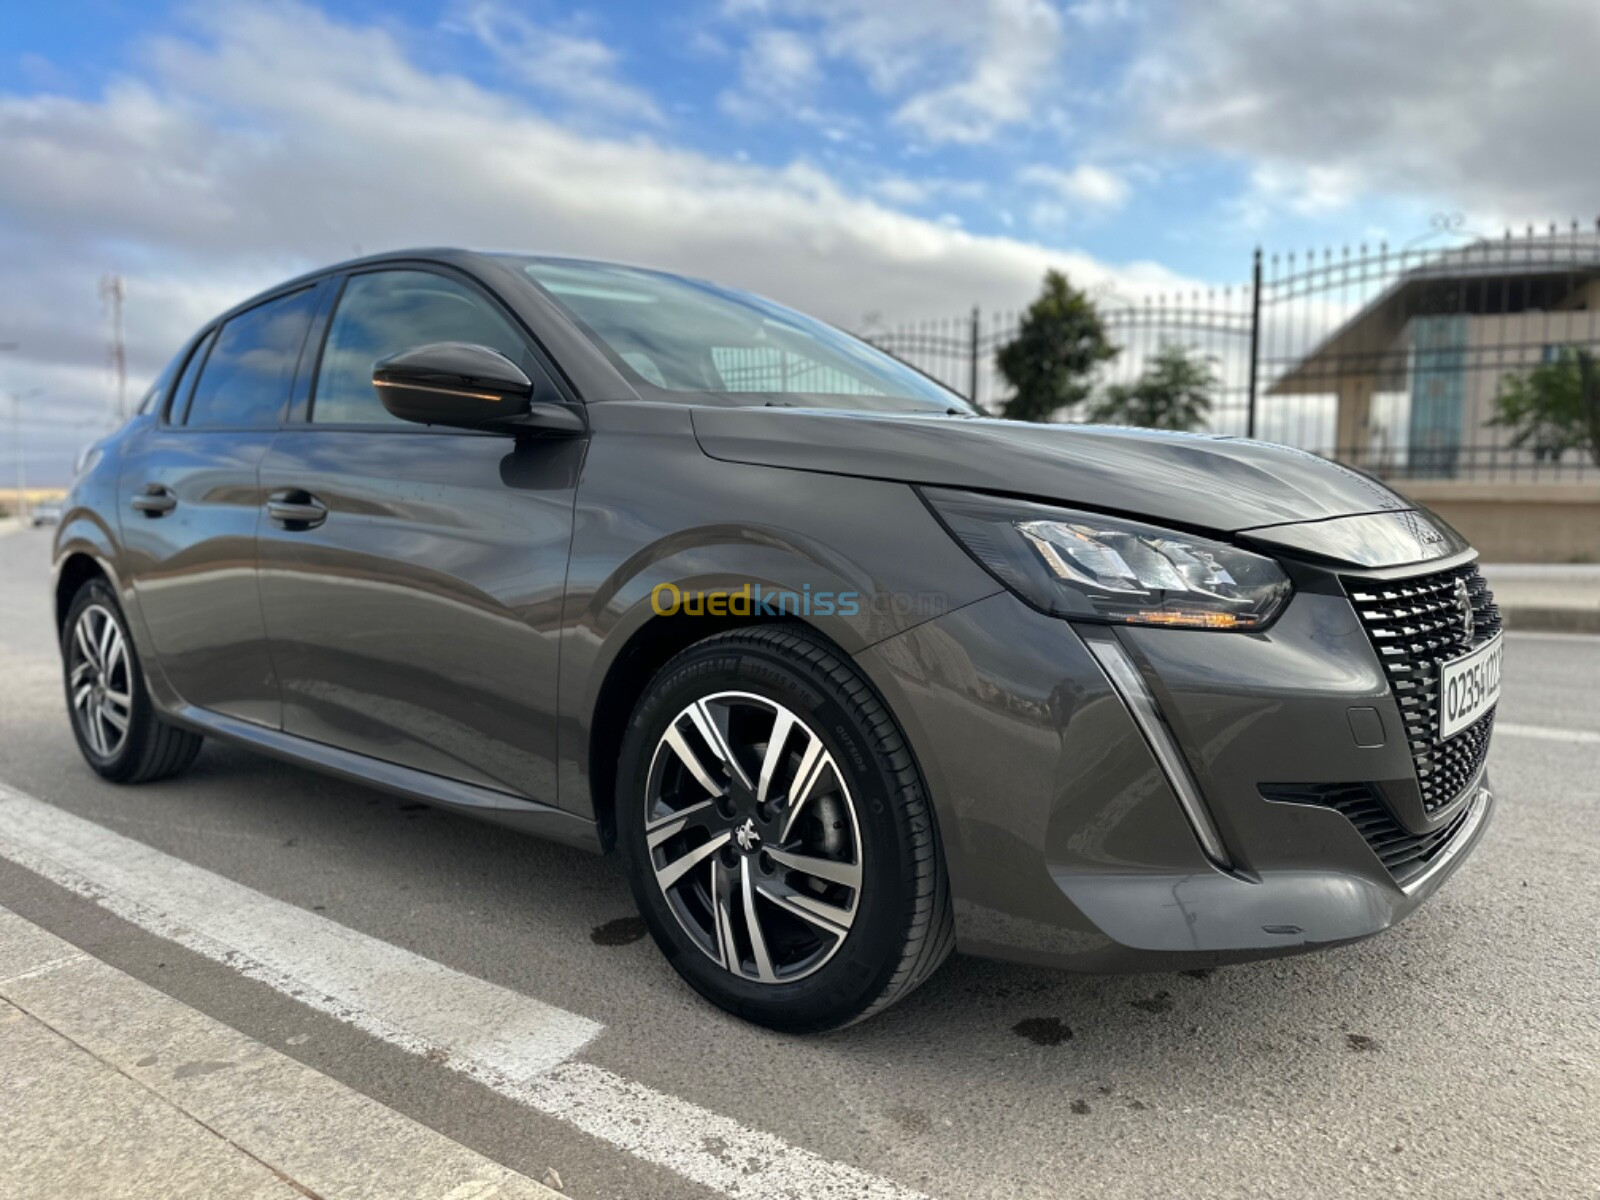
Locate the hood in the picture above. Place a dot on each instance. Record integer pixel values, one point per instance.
(1200, 481)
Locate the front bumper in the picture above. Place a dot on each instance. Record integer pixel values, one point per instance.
(1066, 840)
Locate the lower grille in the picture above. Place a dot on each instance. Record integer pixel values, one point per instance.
(1405, 854)
(1416, 624)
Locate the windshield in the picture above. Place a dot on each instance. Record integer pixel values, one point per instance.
(683, 335)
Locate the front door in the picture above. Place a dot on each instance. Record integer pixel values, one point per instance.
(191, 501)
(412, 578)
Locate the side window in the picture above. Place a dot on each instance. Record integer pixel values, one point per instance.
(246, 377)
(385, 312)
(180, 396)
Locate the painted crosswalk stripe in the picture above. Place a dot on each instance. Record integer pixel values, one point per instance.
(520, 1047)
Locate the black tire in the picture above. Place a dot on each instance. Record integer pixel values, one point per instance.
(903, 928)
(152, 748)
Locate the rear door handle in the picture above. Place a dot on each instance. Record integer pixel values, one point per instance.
(296, 509)
(156, 500)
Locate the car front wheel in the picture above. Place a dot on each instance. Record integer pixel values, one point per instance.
(781, 843)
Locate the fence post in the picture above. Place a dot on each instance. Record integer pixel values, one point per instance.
(1255, 344)
(972, 366)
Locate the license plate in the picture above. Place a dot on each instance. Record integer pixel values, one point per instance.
(1468, 687)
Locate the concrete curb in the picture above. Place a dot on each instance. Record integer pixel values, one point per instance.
(148, 1096)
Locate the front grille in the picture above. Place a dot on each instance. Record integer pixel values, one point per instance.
(1404, 853)
(1416, 624)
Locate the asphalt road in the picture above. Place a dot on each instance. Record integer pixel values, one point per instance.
(1458, 1055)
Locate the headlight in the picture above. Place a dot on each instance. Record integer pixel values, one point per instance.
(1085, 566)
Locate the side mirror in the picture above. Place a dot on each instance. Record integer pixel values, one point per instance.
(466, 386)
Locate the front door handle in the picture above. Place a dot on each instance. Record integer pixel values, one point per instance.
(156, 500)
(296, 509)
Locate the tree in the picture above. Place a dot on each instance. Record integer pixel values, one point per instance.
(1553, 408)
(1050, 361)
(1172, 392)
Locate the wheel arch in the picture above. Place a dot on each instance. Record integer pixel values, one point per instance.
(649, 648)
(75, 570)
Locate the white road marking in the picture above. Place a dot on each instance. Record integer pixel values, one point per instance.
(403, 998)
(1551, 733)
(511, 1043)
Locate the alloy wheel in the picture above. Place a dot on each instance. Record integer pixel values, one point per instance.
(753, 837)
(100, 680)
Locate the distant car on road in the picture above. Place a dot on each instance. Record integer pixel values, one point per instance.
(46, 512)
(848, 674)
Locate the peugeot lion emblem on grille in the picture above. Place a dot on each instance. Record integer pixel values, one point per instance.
(1464, 603)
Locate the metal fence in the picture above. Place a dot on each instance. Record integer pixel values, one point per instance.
(1388, 359)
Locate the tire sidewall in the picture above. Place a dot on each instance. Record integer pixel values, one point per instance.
(122, 764)
(862, 965)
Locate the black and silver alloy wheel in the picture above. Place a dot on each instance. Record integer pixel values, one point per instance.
(782, 848)
(121, 734)
(100, 680)
(753, 837)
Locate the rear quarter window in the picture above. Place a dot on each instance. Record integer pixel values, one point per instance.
(245, 379)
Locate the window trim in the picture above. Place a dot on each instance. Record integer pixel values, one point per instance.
(201, 351)
(305, 402)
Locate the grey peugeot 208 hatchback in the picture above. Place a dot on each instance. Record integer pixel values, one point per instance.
(848, 674)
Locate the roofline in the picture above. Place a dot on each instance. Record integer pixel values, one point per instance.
(590, 374)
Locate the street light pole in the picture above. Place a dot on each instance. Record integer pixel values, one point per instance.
(16, 441)
(16, 433)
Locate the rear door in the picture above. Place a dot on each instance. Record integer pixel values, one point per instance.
(192, 501)
(413, 590)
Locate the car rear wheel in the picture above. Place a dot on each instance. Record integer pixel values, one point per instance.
(118, 729)
(780, 840)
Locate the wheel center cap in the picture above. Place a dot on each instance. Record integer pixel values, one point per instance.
(747, 837)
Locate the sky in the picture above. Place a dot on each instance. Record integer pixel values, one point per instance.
(865, 160)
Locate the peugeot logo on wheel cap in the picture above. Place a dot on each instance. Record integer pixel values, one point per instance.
(1464, 603)
(746, 836)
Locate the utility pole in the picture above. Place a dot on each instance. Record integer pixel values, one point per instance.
(112, 292)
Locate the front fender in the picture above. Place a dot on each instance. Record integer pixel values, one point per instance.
(858, 560)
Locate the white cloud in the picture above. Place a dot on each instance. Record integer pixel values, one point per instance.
(252, 150)
(1020, 45)
(898, 189)
(1086, 184)
(1486, 107)
(778, 69)
(958, 71)
(579, 69)
(780, 59)
(908, 192)
(1094, 14)
(1305, 190)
